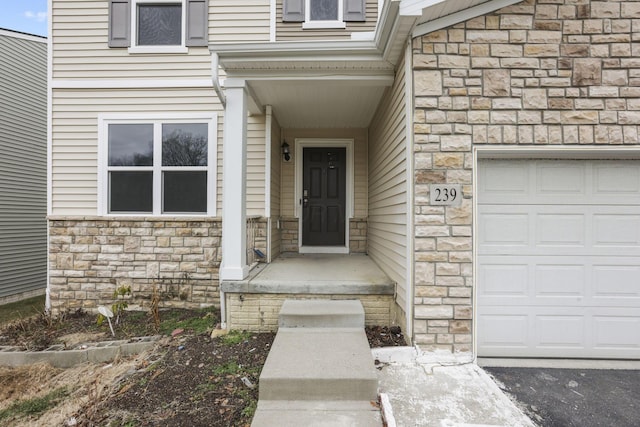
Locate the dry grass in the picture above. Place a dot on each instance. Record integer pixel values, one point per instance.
(85, 384)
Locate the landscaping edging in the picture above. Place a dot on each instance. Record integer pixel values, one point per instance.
(58, 357)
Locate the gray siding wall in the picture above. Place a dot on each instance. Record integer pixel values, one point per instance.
(23, 165)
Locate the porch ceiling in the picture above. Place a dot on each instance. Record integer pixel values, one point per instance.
(320, 103)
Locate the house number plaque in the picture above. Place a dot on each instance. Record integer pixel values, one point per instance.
(445, 194)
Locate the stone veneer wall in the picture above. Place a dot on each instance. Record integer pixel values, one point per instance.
(357, 235)
(89, 258)
(544, 73)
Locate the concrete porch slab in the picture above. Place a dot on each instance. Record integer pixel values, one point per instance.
(322, 274)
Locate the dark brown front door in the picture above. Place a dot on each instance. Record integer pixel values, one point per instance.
(323, 196)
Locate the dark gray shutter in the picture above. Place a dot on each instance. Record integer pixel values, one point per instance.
(119, 23)
(293, 11)
(354, 10)
(197, 23)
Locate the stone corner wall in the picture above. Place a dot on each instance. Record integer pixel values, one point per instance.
(357, 235)
(91, 257)
(538, 73)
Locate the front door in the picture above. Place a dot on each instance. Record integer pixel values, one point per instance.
(323, 196)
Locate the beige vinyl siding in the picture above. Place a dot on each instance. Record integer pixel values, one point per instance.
(74, 152)
(235, 21)
(23, 165)
(288, 31)
(255, 165)
(387, 232)
(359, 136)
(80, 50)
(276, 167)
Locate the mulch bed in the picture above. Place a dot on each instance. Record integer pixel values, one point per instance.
(191, 379)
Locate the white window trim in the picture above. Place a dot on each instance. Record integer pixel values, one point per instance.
(104, 120)
(308, 24)
(182, 48)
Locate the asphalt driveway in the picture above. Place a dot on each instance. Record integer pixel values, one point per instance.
(574, 397)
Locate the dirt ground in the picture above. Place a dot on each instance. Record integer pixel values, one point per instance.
(191, 378)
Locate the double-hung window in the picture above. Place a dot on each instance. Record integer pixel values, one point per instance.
(323, 13)
(157, 166)
(158, 26)
(159, 23)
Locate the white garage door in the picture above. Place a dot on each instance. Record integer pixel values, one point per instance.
(559, 258)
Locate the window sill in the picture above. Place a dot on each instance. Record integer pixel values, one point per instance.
(319, 25)
(158, 49)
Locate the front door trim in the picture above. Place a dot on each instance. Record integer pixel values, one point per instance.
(300, 145)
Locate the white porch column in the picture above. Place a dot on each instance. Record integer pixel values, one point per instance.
(234, 206)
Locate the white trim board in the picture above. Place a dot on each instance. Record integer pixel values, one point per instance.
(130, 83)
(348, 144)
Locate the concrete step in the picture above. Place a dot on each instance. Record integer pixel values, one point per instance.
(321, 313)
(316, 413)
(306, 364)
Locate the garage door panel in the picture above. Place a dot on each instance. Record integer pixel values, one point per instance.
(558, 258)
(559, 331)
(505, 228)
(616, 332)
(543, 332)
(559, 182)
(504, 330)
(559, 280)
(565, 229)
(574, 281)
(613, 179)
(616, 229)
(616, 281)
(559, 178)
(504, 279)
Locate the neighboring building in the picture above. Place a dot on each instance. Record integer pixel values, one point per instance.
(23, 165)
(484, 154)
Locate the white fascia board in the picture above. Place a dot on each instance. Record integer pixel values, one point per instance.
(461, 16)
(415, 7)
(290, 50)
(23, 36)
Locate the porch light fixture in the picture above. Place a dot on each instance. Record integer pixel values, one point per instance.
(285, 152)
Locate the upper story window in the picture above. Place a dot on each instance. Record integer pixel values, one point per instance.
(157, 166)
(158, 26)
(323, 13)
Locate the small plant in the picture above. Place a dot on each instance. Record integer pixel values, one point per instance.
(235, 337)
(229, 368)
(121, 304)
(117, 308)
(155, 308)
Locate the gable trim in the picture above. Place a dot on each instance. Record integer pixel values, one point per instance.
(463, 15)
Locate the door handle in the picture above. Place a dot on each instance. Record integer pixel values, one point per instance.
(305, 202)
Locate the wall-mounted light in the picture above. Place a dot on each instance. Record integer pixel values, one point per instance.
(286, 154)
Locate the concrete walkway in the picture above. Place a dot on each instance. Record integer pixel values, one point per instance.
(442, 390)
(319, 371)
